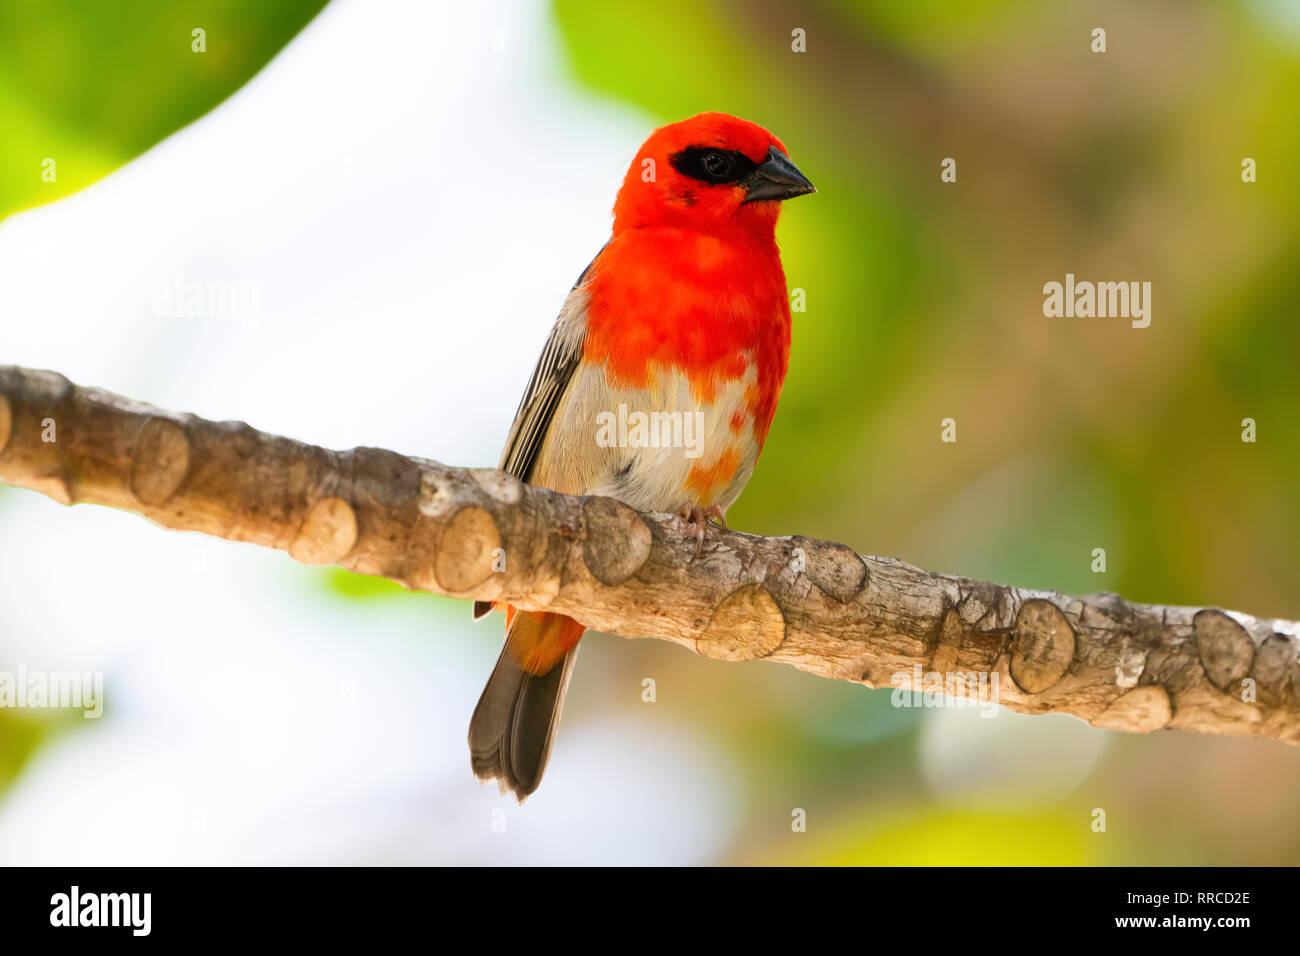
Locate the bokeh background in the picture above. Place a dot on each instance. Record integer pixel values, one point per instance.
(409, 188)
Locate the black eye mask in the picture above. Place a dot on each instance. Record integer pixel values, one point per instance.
(714, 166)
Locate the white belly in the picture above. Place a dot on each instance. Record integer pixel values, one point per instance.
(656, 449)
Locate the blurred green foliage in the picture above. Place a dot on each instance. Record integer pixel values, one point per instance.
(21, 734)
(954, 838)
(91, 87)
(359, 587)
(924, 301)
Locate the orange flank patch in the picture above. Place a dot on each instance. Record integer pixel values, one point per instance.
(706, 482)
(762, 404)
(737, 422)
(539, 641)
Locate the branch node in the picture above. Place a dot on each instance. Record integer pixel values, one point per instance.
(327, 534)
(467, 550)
(836, 569)
(503, 488)
(1277, 670)
(1042, 646)
(616, 540)
(950, 635)
(1226, 650)
(1140, 711)
(159, 461)
(746, 626)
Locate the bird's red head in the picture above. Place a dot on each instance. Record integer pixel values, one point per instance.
(712, 172)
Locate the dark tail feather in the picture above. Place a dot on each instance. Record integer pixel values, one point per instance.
(513, 726)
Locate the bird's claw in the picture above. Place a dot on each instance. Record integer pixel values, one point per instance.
(698, 518)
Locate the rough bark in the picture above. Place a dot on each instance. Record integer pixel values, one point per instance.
(478, 533)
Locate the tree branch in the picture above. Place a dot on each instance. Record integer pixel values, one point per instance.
(478, 533)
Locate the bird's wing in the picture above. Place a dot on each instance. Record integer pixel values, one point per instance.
(554, 371)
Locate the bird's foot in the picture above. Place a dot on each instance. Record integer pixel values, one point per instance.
(698, 518)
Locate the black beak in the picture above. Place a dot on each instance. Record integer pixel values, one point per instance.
(776, 178)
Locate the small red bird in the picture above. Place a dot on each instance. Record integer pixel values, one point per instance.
(656, 387)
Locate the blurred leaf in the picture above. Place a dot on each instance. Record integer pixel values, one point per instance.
(957, 839)
(89, 86)
(361, 587)
(933, 24)
(20, 737)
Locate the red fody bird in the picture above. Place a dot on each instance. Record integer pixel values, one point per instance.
(683, 321)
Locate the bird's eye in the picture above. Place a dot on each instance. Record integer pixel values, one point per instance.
(711, 165)
(717, 165)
